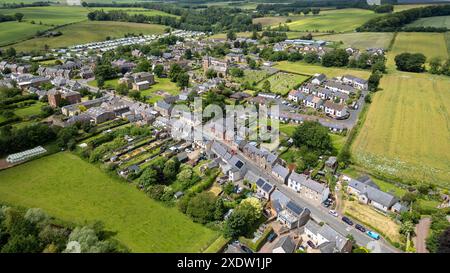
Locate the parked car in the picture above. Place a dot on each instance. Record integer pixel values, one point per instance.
(360, 228)
(272, 236)
(373, 235)
(311, 244)
(334, 213)
(246, 249)
(347, 221)
(326, 204)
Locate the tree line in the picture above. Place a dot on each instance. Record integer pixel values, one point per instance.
(396, 21)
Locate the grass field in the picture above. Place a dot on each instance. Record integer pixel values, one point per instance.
(12, 32)
(362, 40)
(162, 84)
(430, 44)
(89, 31)
(304, 68)
(65, 192)
(31, 110)
(437, 21)
(132, 11)
(407, 130)
(282, 83)
(447, 41)
(341, 20)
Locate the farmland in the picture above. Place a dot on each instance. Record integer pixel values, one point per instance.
(430, 44)
(436, 21)
(52, 15)
(89, 31)
(139, 222)
(333, 20)
(404, 124)
(282, 83)
(15, 31)
(304, 68)
(361, 40)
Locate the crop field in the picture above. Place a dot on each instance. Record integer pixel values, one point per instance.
(133, 11)
(282, 83)
(333, 20)
(275, 20)
(86, 32)
(407, 129)
(436, 21)
(139, 222)
(304, 68)
(12, 32)
(429, 44)
(361, 40)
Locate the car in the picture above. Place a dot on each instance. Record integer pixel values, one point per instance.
(326, 204)
(311, 244)
(246, 249)
(360, 228)
(239, 190)
(272, 237)
(373, 235)
(334, 213)
(347, 221)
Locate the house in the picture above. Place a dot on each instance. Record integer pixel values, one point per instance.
(100, 115)
(318, 79)
(235, 58)
(331, 163)
(359, 83)
(326, 239)
(308, 187)
(123, 65)
(369, 193)
(221, 67)
(55, 97)
(264, 188)
(285, 244)
(336, 86)
(313, 102)
(163, 107)
(293, 215)
(296, 95)
(281, 173)
(335, 109)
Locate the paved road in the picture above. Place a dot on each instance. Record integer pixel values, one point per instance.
(422, 229)
(318, 212)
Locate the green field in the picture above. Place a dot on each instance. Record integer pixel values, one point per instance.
(52, 15)
(341, 20)
(407, 130)
(12, 32)
(430, 44)
(162, 84)
(89, 31)
(304, 68)
(361, 40)
(31, 110)
(437, 21)
(281, 82)
(76, 191)
(132, 11)
(447, 41)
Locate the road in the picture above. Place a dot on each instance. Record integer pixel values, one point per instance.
(422, 229)
(318, 212)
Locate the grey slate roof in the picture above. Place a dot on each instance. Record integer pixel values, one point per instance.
(286, 243)
(373, 193)
(281, 171)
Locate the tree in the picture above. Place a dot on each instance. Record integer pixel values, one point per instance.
(210, 74)
(410, 62)
(134, 94)
(183, 80)
(18, 16)
(338, 57)
(122, 89)
(149, 177)
(444, 242)
(374, 81)
(311, 57)
(10, 52)
(266, 86)
(143, 66)
(407, 227)
(315, 11)
(175, 70)
(171, 169)
(158, 70)
(236, 72)
(409, 197)
(201, 208)
(243, 219)
(231, 35)
(188, 54)
(313, 136)
(435, 65)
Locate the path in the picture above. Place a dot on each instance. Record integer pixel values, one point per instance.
(422, 229)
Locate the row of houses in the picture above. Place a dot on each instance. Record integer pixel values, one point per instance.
(15, 68)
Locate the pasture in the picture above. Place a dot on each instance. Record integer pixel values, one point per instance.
(429, 44)
(51, 15)
(436, 21)
(341, 20)
(78, 192)
(86, 32)
(406, 132)
(305, 68)
(361, 40)
(12, 32)
(281, 82)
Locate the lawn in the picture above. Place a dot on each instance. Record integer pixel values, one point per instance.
(374, 219)
(436, 21)
(31, 110)
(305, 68)
(12, 32)
(406, 132)
(429, 44)
(76, 191)
(341, 20)
(113, 83)
(362, 40)
(282, 83)
(89, 31)
(162, 84)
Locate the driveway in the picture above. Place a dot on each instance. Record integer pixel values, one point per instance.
(422, 229)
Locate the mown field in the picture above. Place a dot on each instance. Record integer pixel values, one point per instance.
(76, 191)
(52, 15)
(333, 20)
(12, 32)
(361, 40)
(89, 31)
(437, 21)
(281, 82)
(304, 68)
(407, 130)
